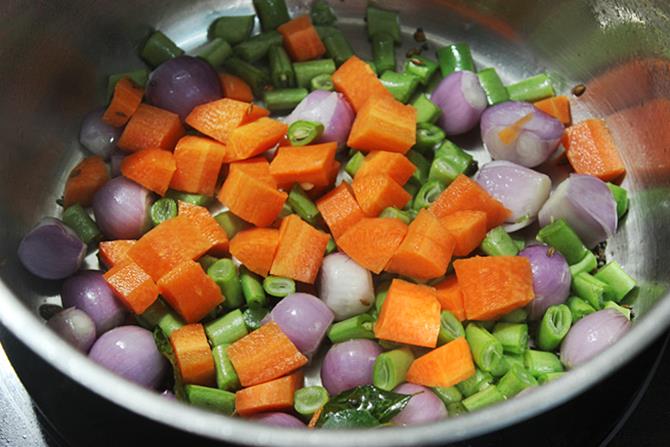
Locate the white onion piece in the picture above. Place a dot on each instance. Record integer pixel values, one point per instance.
(346, 287)
(75, 326)
(522, 190)
(538, 137)
(329, 109)
(462, 100)
(586, 204)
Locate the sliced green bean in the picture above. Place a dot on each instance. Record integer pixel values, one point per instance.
(285, 99)
(309, 400)
(212, 399)
(252, 289)
(532, 89)
(159, 48)
(427, 194)
(226, 329)
(359, 326)
(322, 14)
(428, 137)
(401, 85)
(301, 132)
(162, 210)
(226, 376)
(215, 52)
(426, 110)
(381, 20)
(322, 82)
(619, 282)
(232, 29)
(620, 197)
(278, 287)
(281, 69)
(338, 47)
(390, 368)
(492, 86)
(383, 52)
(456, 57)
(421, 67)
(252, 75)
(554, 327)
(306, 71)
(271, 13)
(78, 219)
(230, 223)
(498, 242)
(303, 205)
(450, 328)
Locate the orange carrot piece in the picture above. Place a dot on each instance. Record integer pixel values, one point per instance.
(468, 229)
(591, 150)
(236, 88)
(276, 395)
(254, 138)
(450, 297)
(427, 224)
(357, 82)
(372, 241)
(301, 40)
(151, 168)
(84, 181)
(510, 133)
(445, 366)
(112, 253)
(218, 119)
(151, 128)
(127, 98)
(410, 314)
(190, 291)
(132, 286)
(494, 285)
(300, 250)
(307, 164)
(250, 198)
(207, 225)
(383, 123)
(339, 209)
(193, 355)
(256, 248)
(316, 192)
(264, 355)
(558, 107)
(393, 164)
(374, 192)
(167, 245)
(466, 194)
(315, 418)
(198, 163)
(258, 168)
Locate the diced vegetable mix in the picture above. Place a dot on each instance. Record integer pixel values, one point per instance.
(221, 292)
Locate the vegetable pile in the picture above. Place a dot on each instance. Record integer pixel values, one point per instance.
(236, 245)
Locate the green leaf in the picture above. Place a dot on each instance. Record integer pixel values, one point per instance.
(253, 317)
(165, 348)
(350, 419)
(351, 408)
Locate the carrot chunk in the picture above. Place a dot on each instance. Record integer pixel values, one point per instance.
(307, 164)
(234, 87)
(494, 285)
(112, 253)
(125, 101)
(450, 297)
(256, 248)
(208, 227)
(84, 181)
(254, 138)
(132, 286)
(383, 123)
(151, 168)
(264, 355)
(393, 164)
(591, 150)
(151, 128)
(198, 163)
(427, 224)
(357, 82)
(193, 355)
(372, 241)
(375, 192)
(276, 395)
(557, 107)
(218, 119)
(410, 314)
(468, 229)
(445, 366)
(339, 209)
(301, 40)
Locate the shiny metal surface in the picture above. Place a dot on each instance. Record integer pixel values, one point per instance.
(56, 56)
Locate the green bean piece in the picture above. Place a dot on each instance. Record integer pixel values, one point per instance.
(456, 409)
(322, 82)
(514, 381)
(501, 368)
(285, 211)
(559, 235)
(253, 317)
(588, 264)
(381, 20)
(515, 360)
(426, 110)
(139, 78)
(492, 86)
(380, 296)
(532, 89)
(549, 377)
(306, 71)
(325, 31)
(373, 66)
(456, 57)
(206, 261)
(390, 368)
(383, 52)
(401, 85)
(303, 205)
(161, 315)
(420, 175)
(427, 194)
(309, 400)
(487, 324)
(281, 69)
(520, 243)
(225, 275)
(322, 14)
(230, 223)
(278, 287)
(359, 326)
(331, 246)
(484, 398)
(216, 51)
(475, 383)
(450, 328)
(252, 289)
(354, 164)
(591, 289)
(395, 213)
(512, 336)
(625, 311)
(226, 329)
(271, 13)
(428, 136)
(193, 199)
(301, 133)
(618, 281)
(516, 316)
(540, 362)
(252, 75)
(338, 47)
(499, 243)
(412, 189)
(450, 161)
(226, 376)
(285, 99)
(620, 197)
(448, 395)
(487, 350)
(554, 327)
(579, 308)
(421, 67)
(77, 218)
(162, 210)
(232, 29)
(212, 399)
(159, 48)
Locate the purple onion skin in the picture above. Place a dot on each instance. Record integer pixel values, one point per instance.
(551, 278)
(88, 291)
(304, 319)
(462, 100)
(130, 352)
(422, 408)
(180, 84)
(51, 250)
(349, 364)
(75, 327)
(115, 160)
(121, 209)
(329, 109)
(592, 335)
(97, 136)
(279, 420)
